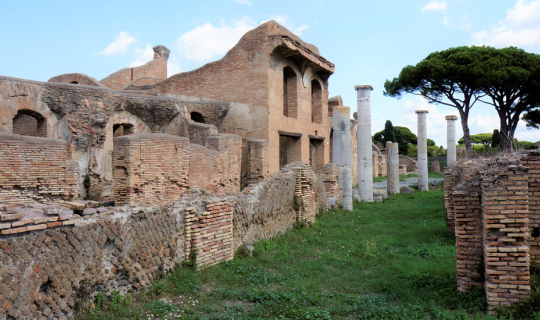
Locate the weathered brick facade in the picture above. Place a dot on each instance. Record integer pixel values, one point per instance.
(492, 206)
(35, 170)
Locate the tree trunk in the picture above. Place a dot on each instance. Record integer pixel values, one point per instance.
(507, 135)
(466, 134)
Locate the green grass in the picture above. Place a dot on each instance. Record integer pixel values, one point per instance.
(402, 177)
(390, 260)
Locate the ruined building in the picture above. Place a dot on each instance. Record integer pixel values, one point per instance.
(493, 207)
(126, 176)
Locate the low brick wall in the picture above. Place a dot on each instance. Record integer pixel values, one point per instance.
(35, 169)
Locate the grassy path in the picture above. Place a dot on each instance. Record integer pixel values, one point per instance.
(390, 260)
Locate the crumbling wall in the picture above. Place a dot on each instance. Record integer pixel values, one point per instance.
(493, 205)
(156, 68)
(42, 271)
(35, 169)
(216, 166)
(411, 164)
(77, 78)
(272, 206)
(150, 169)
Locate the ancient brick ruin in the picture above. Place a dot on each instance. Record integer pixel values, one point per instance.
(493, 207)
(125, 177)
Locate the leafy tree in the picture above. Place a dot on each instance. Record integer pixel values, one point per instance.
(511, 81)
(430, 143)
(404, 137)
(495, 139)
(532, 119)
(481, 138)
(450, 77)
(389, 134)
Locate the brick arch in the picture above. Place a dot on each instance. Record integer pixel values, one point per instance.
(25, 98)
(118, 118)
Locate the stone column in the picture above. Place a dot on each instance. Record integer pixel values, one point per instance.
(450, 139)
(341, 154)
(392, 172)
(365, 160)
(422, 150)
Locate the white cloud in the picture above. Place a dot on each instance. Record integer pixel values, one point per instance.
(120, 45)
(247, 2)
(446, 22)
(521, 27)
(284, 21)
(208, 41)
(434, 6)
(142, 55)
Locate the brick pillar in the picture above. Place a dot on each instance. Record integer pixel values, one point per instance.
(532, 162)
(505, 224)
(451, 179)
(468, 228)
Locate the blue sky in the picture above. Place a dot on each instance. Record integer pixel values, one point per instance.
(369, 41)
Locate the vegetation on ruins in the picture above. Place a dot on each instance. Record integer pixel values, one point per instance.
(390, 260)
(508, 79)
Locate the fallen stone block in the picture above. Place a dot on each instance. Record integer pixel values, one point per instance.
(406, 190)
(66, 214)
(356, 197)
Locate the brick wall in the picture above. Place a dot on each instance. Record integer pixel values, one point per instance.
(150, 169)
(35, 170)
(209, 233)
(257, 161)
(468, 229)
(505, 208)
(531, 160)
(216, 166)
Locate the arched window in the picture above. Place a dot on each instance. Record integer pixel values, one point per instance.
(289, 93)
(197, 117)
(316, 101)
(29, 123)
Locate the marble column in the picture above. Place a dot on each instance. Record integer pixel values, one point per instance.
(341, 154)
(422, 150)
(450, 139)
(392, 172)
(365, 159)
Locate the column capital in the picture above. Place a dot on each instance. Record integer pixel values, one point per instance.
(451, 117)
(422, 111)
(364, 87)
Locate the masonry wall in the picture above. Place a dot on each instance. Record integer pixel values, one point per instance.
(216, 166)
(468, 229)
(329, 175)
(150, 170)
(505, 231)
(125, 247)
(531, 160)
(35, 170)
(272, 206)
